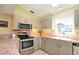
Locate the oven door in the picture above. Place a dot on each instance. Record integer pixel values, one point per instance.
(26, 44)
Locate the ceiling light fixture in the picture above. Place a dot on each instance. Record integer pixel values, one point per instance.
(32, 11)
(58, 6)
(54, 5)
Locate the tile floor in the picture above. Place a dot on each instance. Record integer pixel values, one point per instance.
(39, 52)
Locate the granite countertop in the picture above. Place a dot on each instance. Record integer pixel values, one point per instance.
(62, 38)
(9, 46)
(73, 39)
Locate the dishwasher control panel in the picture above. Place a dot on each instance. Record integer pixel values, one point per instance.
(75, 48)
(76, 44)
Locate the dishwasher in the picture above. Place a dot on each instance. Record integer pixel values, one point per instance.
(75, 48)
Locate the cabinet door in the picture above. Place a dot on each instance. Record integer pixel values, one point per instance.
(37, 43)
(51, 46)
(43, 43)
(36, 46)
(16, 21)
(76, 16)
(46, 24)
(65, 48)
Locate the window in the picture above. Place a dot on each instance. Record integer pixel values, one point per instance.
(64, 26)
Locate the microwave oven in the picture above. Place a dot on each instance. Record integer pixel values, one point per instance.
(25, 26)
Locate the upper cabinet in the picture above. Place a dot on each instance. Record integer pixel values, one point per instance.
(16, 21)
(76, 18)
(46, 22)
(20, 19)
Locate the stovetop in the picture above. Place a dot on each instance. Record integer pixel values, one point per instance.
(22, 37)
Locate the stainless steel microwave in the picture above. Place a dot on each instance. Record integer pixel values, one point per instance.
(25, 26)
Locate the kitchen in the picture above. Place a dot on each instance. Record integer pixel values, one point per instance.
(39, 29)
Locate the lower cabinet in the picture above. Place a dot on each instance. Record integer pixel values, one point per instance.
(36, 43)
(51, 46)
(56, 47)
(65, 47)
(43, 43)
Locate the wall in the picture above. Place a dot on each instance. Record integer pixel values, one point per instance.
(64, 13)
(50, 32)
(26, 16)
(8, 30)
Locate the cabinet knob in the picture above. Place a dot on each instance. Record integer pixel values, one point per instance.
(59, 46)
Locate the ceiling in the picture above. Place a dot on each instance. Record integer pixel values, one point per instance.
(39, 10)
(45, 9)
(7, 9)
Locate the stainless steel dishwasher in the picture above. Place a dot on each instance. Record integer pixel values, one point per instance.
(75, 48)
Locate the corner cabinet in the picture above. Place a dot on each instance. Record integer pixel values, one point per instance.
(36, 43)
(49, 45)
(56, 47)
(43, 43)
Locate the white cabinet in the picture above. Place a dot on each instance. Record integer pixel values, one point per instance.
(65, 48)
(76, 19)
(43, 43)
(56, 47)
(51, 46)
(36, 43)
(46, 22)
(16, 20)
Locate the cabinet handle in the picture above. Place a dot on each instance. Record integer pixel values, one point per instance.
(59, 46)
(44, 41)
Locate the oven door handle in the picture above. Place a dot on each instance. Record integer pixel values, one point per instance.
(26, 39)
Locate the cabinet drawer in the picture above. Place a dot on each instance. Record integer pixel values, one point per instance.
(62, 42)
